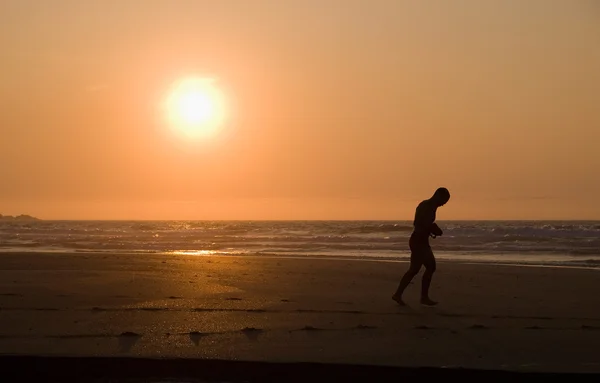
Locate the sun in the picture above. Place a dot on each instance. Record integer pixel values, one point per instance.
(195, 107)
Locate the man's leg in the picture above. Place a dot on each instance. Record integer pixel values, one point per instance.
(430, 266)
(415, 266)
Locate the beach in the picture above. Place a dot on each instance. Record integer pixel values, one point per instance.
(506, 317)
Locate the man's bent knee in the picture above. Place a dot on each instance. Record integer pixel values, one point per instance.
(413, 270)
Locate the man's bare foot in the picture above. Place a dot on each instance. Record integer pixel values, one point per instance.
(428, 302)
(398, 300)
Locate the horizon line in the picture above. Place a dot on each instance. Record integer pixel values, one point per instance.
(37, 219)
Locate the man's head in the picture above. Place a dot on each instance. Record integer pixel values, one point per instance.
(441, 196)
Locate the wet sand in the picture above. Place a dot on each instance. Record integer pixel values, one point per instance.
(298, 310)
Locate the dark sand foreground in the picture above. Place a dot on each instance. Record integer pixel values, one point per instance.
(298, 310)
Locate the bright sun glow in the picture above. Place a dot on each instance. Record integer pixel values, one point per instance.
(195, 107)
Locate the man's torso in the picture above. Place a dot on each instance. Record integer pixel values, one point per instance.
(424, 217)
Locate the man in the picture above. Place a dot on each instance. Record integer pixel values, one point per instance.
(420, 251)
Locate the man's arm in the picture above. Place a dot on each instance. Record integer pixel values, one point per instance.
(435, 230)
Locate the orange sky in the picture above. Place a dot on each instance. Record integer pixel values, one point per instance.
(336, 109)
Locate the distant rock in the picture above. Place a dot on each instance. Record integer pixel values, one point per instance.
(22, 217)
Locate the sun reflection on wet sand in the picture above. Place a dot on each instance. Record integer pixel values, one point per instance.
(196, 252)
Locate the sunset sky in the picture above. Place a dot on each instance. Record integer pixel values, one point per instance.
(333, 109)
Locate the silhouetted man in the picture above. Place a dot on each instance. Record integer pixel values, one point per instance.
(420, 251)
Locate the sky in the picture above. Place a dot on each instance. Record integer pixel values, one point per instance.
(337, 109)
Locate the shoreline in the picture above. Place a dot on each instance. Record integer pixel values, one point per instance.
(584, 264)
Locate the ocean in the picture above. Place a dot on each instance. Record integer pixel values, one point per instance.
(575, 243)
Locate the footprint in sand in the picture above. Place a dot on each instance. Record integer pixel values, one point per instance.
(252, 333)
(365, 327)
(310, 328)
(127, 340)
(196, 336)
(129, 334)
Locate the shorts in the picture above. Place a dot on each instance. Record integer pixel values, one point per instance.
(421, 253)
